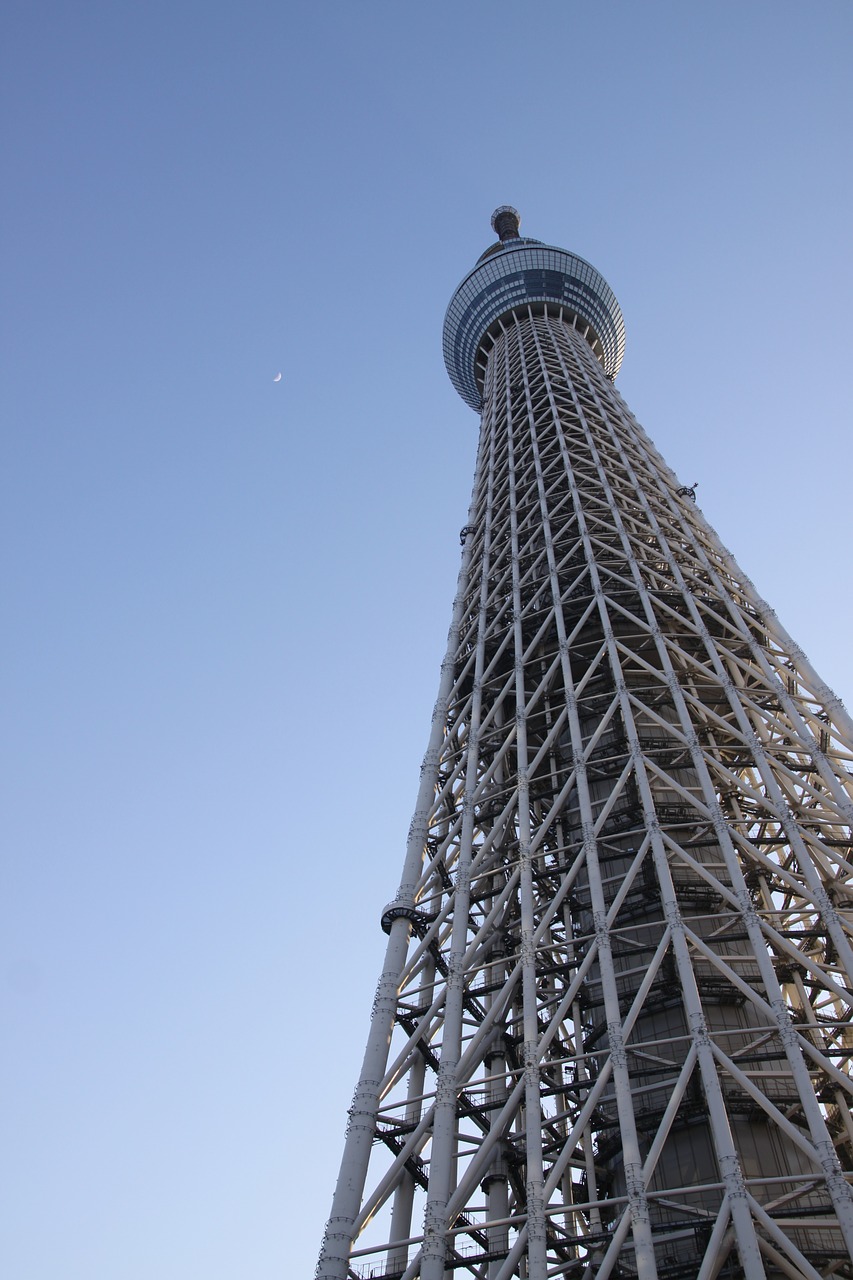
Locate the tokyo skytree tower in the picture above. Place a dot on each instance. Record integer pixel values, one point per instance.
(611, 1036)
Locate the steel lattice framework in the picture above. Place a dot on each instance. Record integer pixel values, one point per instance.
(612, 1033)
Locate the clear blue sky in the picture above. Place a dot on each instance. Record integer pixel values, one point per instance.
(225, 599)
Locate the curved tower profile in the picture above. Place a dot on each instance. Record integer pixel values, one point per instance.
(612, 1036)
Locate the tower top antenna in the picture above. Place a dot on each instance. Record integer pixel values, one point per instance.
(505, 222)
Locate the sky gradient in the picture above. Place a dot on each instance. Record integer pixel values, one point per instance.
(226, 599)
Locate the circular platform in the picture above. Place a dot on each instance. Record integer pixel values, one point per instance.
(511, 274)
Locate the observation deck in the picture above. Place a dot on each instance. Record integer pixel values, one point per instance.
(510, 276)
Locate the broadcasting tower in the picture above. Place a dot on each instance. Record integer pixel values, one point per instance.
(612, 1035)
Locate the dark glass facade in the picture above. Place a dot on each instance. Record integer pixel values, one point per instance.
(524, 273)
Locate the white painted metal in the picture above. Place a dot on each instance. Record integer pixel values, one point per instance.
(612, 1034)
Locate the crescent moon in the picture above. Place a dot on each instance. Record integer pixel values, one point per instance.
(277, 378)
